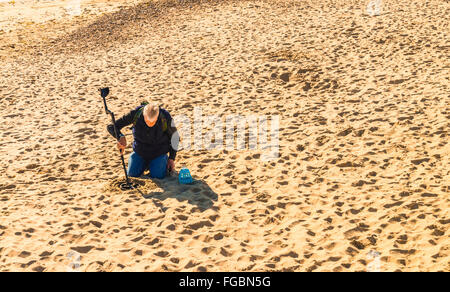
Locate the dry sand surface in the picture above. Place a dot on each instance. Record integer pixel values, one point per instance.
(363, 173)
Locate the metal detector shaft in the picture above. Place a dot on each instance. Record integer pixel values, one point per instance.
(104, 93)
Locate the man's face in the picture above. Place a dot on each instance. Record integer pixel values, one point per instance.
(151, 121)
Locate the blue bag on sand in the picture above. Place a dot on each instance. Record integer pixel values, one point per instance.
(184, 177)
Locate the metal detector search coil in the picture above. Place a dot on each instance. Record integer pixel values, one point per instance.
(128, 186)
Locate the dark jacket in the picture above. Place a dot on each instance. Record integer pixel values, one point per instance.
(148, 143)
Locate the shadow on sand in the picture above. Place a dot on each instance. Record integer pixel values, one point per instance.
(198, 193)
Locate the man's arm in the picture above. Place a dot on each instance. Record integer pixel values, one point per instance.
(122, 122)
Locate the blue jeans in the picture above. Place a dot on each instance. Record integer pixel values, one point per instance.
(137, 165)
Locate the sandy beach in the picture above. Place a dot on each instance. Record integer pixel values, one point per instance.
(362, 181)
